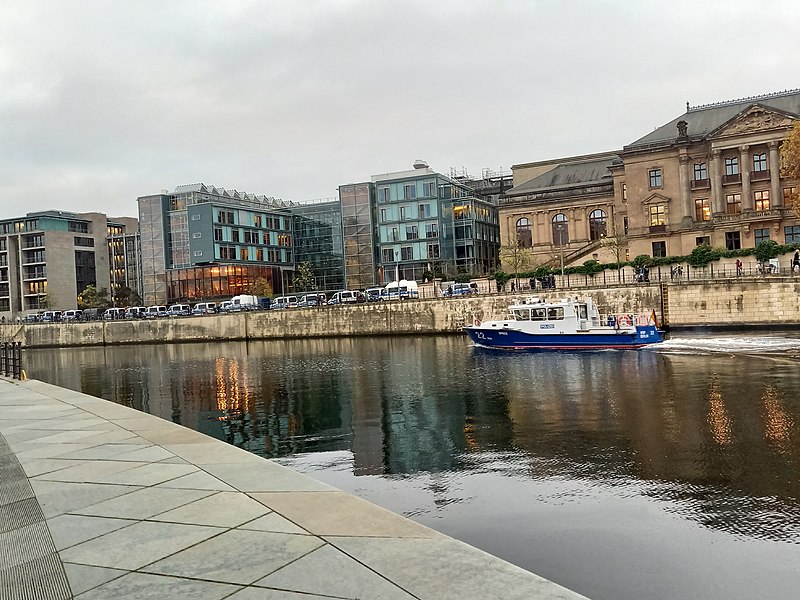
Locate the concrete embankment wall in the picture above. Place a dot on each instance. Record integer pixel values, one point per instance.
(725, 303)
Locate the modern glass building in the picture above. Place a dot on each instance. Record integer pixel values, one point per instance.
(318, 241)
(203, 242)
(429, 224)
(206, 242)
(357, 202)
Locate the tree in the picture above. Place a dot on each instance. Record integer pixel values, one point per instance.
(125, 296)
(514, 257)
(304, 277)
(765, 250)
(91, 297)
(261, 287)
(790, 164)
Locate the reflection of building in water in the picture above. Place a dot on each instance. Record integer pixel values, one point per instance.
(778, 423)
(719, 422)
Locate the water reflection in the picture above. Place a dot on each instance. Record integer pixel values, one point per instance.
(710, 438)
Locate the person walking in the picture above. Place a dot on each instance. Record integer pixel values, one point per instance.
(796, 261)
(738, 267)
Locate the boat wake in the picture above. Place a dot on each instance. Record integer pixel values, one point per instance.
(731, 345)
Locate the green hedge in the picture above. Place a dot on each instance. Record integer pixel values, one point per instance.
(699, 257)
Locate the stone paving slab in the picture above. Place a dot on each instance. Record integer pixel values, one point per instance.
(135, 507)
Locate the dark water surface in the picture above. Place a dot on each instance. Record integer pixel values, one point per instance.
(668, 473)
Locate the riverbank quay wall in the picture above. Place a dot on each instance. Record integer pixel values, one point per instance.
(764, 302)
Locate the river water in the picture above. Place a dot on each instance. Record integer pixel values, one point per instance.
(669, 472)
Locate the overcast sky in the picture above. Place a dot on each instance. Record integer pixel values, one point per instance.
(105, 101)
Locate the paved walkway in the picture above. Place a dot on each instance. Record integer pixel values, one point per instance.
(101, 501)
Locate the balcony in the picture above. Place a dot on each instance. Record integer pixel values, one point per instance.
(759, 175)
(701, 184)
(745, 217)
(728, 179)
(658, 229)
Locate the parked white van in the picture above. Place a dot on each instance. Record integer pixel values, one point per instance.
(244, 302)
(72, 315)
(313, 299)
(347, 297)
(285, 302)
(155, 312)
(204, 308)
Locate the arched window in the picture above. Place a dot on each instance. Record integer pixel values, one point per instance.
(524, 237)
(597, 224)
(560, 230)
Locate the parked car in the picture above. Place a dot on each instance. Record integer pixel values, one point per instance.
(460, 289)
(346, 297)
(374, 294)
(31, 318)
(225, 306)
(51, 316)
(155, 312)
(313, 299)
(179, 310)
(204, 308)
(112, 314)
(285, 302)
(136, 312)
(244, 302)
(72, 315)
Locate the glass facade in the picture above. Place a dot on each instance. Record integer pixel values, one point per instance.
(318, 241)
(360, 263)
(218, 281)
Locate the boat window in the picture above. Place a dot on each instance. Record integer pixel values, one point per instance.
(521, 314)
(539, 314)
(582, 311)
(555, 313)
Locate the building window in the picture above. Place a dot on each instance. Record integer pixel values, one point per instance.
(429, 189)
(81, 241)
(234, 235)
(733, 240)
(424, 211)
(412, 233)
(788, 194)
(731, 166)
(387, 255)
(402, 213)
(560, 230)
(657, 215)
(700, 172)
(243, 253)
(395, 234)
(383, 194)
(703, 240)
(702, 210)
(597, 224)
(524, 236)
(760, 162)
(760, 235)
(433, 250)
(761, 200)
(656, 179)
(624, 188)
(659, 249)
(410, 191)
(624, 225)
(407, 253)
(792, 234)
(257, 220)
(733, 204)
(383, 215)
(217, 234)
(431, 230)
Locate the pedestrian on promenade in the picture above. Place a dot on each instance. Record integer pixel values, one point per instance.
(796, 261)
(738, 268)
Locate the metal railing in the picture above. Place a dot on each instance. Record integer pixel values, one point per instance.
(11, 359)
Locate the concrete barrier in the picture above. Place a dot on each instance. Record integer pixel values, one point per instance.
(759, 302)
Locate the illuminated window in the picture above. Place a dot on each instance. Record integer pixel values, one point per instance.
(733, 204)
(702, 210)
(761, 200)
(657, 215)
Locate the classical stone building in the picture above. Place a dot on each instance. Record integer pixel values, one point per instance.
(710, 176)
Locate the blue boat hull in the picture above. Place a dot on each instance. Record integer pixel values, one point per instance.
(513, 339)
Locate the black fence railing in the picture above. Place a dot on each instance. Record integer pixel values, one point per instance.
(11, 359)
